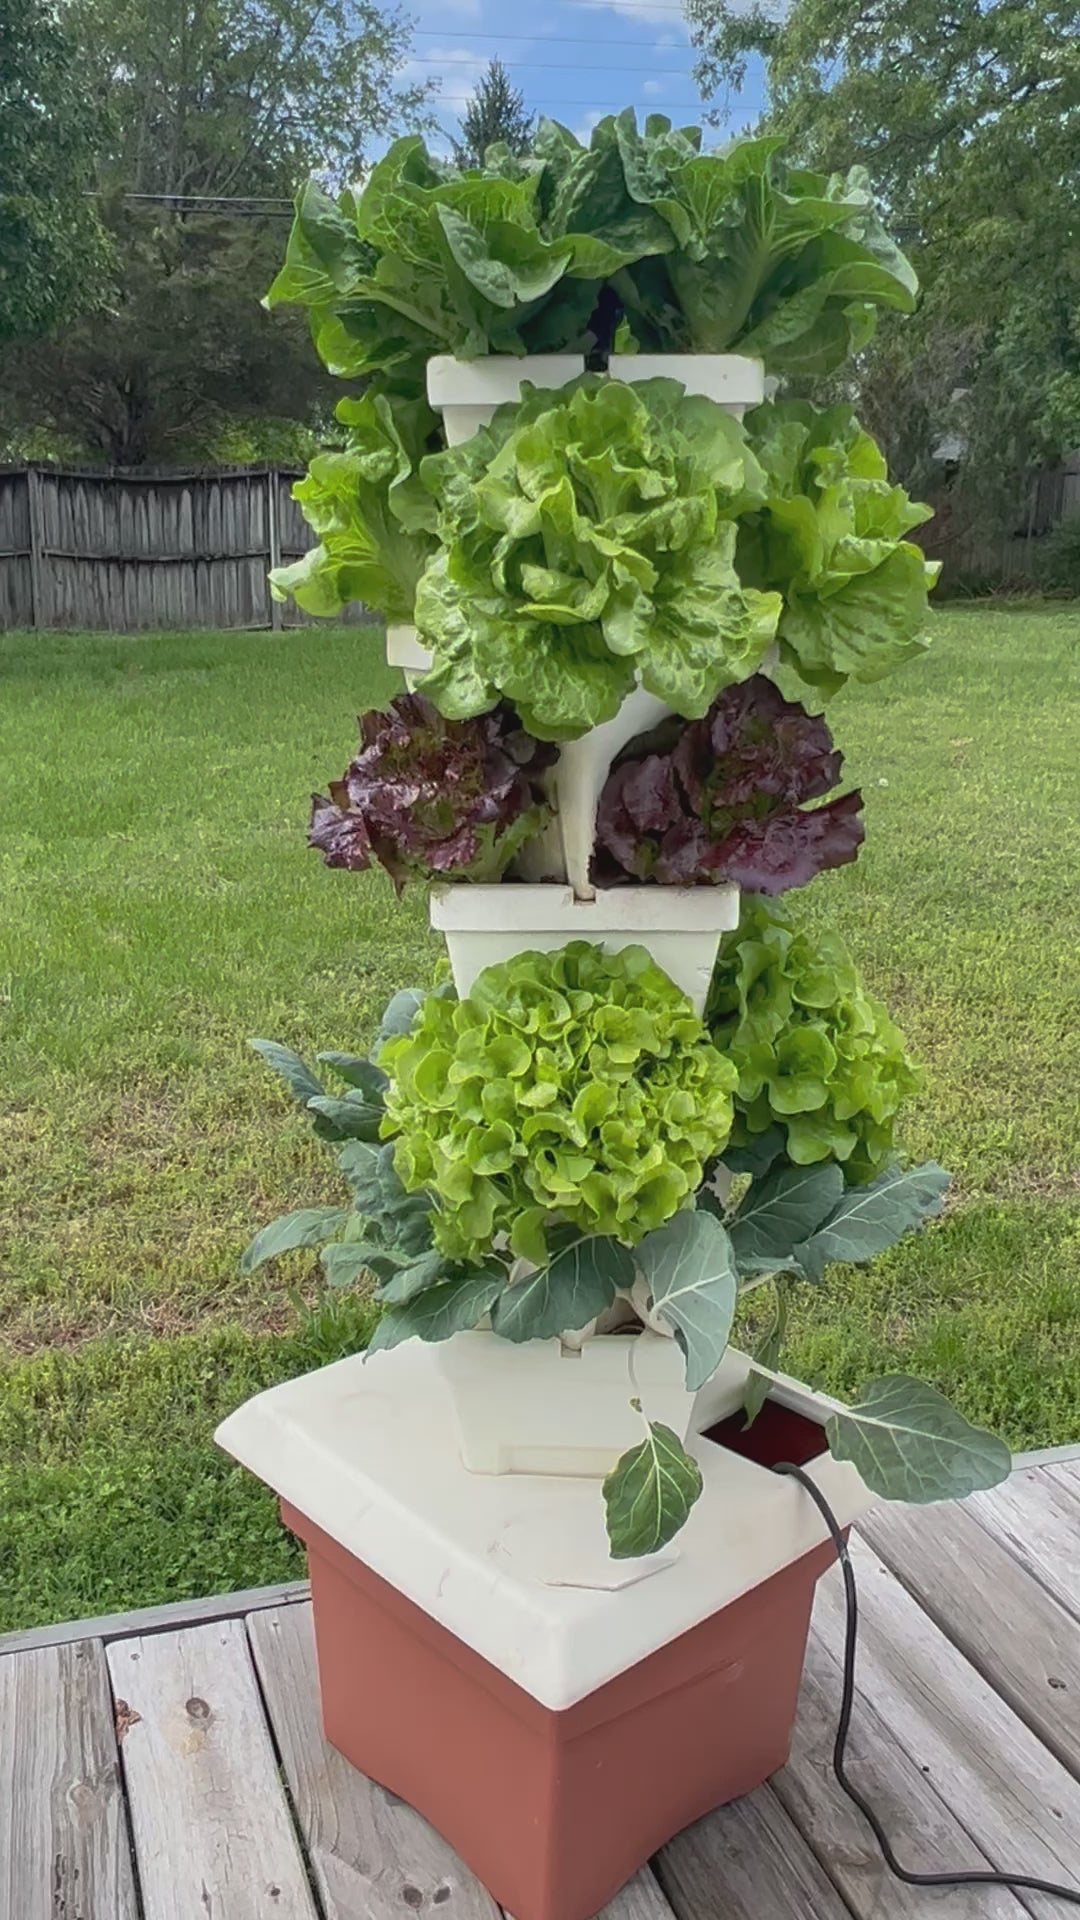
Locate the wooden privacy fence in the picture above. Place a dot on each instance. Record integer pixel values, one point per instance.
(130, 551)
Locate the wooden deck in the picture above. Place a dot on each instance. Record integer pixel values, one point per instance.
(173, 1767)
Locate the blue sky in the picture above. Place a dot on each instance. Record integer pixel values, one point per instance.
(574, 59)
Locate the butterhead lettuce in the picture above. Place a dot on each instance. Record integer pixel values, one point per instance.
(373, 519)
(587, 541)
(830, 538)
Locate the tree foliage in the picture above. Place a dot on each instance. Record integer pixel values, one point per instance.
(52, 248)
(495, 114)
(214, 102)
(967, 116)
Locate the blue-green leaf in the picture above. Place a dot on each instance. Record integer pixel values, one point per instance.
(869, 1219)
(778, 1211)
(575, 1286)
(689, 1269)
(909, 1444)
(307, 1227)
(352, 1119)
(296, 1074)
(360, 1073)
(455, 1306)
(649, 1493)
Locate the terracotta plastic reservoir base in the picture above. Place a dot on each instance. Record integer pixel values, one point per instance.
(555, 1811)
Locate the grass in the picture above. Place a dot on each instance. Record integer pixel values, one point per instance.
(159, 906)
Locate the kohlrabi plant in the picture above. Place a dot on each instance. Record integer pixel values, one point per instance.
(725, 802)
(830, 538)
(430, 798)
(822, 1068)
(588, 540)
(573, 1090)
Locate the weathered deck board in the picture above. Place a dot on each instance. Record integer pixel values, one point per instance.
(984, 1763)
(1018, 1636)
(901, 1793)
(1036, 1515)
(64, 1849)
(967, 1752)
(370, 1853)
(747, 1861)
(212, 1829)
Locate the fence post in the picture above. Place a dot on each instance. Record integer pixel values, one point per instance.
(274, 539)
(37, 580)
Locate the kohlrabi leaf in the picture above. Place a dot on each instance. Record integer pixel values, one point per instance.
(689, 1270)
(779, 1210)
(767, 1352)
(866, 1220)
(577, 1284)
(453, 1306)
(909, 1444)
(307, 1227)
(649, 1494)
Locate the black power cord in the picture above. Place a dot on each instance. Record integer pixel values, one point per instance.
(1017, 1881)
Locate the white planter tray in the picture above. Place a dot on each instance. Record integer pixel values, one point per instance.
(680, 926)
(540, 1407)
(517, 1566)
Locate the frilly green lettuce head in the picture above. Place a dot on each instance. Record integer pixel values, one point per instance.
(588, 541)
(813, 1050)
(576, 1087)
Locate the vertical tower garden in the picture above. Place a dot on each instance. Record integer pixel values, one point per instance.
(622, 568)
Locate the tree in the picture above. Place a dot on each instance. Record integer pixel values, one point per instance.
(495, 112)
(52, 248)
(224, 106)
(967, 115)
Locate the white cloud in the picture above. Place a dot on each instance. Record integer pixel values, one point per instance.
(457, 70)
(660, 14)
(653, 88)
(584, 130)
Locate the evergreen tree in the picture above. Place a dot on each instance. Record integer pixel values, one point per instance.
(495, 112)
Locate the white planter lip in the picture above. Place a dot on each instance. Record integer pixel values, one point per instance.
(731, 379)
(552, 907)
(368, 1453)
(496, 377)
(406, 650)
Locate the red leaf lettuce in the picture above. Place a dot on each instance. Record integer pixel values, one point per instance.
(427, 796)
(724, 803)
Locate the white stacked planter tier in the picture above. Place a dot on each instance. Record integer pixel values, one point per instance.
(543, 1407)
(680, 926)
(467, 393)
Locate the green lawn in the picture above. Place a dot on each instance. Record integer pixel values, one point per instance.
(159, 905)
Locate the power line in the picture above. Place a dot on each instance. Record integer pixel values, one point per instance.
(548, 66)
(541, 39)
